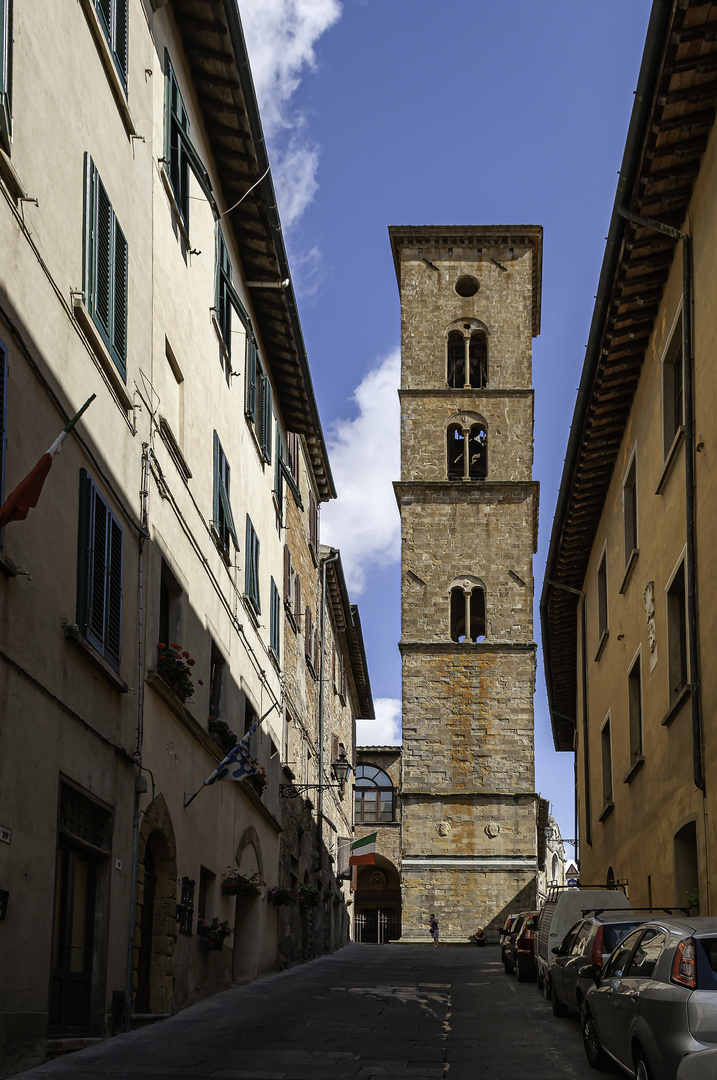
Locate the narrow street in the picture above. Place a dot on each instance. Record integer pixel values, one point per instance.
(367, 1011)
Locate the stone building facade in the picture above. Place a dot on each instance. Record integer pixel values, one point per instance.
(470, 305)
(377, 808)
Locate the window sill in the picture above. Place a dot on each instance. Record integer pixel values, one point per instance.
(293, 622)
(274, 660)
(7, 566)
(601, 644)
(606, 810)
(118, 88)
(10, 178)
(676, 706)
(220, 546)
(174, 205)
(634, 769)
(172, 445)
(72, 633)
(101, 352)
(251, 611)
(672, 455)
(629, 569)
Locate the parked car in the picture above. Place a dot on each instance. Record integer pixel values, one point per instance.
(563, 908)
(699, 1066)
(655, 1000)
(591, 940)
(518, 949)
(503, 934)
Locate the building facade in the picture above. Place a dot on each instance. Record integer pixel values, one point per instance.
(627, 609)
(377, 809)
(470, 305)
(145, 617)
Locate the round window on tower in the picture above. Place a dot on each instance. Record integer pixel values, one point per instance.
(467, 285)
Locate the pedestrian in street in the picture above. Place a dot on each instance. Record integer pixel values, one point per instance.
(480, 936)
(434, 931)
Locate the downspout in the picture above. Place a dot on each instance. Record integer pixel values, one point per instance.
(690, 488)
(586, 749)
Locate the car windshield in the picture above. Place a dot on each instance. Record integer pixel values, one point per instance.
(707, 963)
(613, 933)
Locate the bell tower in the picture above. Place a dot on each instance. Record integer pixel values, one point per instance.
(470, 306)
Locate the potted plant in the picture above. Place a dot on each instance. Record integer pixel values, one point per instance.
(279, 896)
(222, 734)
(234, 883)
(213, 935)
(309, 897)
(174, 666)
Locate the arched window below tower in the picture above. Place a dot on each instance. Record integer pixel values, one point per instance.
(467, 610)
(466, 452)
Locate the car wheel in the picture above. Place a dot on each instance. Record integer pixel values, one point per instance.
(547, 988)
(642, 1069)
(558, 1008)
(520, 973)
(594, 1052)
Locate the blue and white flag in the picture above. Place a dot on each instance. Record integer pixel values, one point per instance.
(238, 764)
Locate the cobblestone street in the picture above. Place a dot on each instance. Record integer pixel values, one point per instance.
(367, 1011)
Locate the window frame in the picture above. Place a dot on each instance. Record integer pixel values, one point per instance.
(601, 588)
(99, 268)
(608, 787)
(251, 567)
(629, 509)
(677, 647)
(226, 297)
(359, 802)
(6, 75)
(222, 517)
(275, 622)
(672, 424)
(116, 15)
(179, 159)
(635, 710)
(99, 632)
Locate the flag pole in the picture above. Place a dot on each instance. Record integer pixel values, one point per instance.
(190, 800)
(71, 423)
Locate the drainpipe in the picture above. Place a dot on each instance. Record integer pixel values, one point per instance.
(690, 487)
(586, 749)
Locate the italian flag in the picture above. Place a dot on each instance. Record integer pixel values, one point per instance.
(363, 850)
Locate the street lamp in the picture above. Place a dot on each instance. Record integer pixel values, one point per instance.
(340, 768)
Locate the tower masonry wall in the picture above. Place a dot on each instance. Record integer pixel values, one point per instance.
(463, 900)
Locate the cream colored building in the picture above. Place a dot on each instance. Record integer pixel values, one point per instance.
(142, 261)
(628, 607)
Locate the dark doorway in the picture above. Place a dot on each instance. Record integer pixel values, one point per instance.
(72, 943)
(146, 943)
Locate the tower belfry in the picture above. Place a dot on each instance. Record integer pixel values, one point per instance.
(470, 306)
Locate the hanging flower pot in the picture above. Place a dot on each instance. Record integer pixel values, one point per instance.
(281, 897)
(235, 883)
(213, 935)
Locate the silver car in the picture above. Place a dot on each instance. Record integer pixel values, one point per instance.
(699, 1066)
(655, 1000)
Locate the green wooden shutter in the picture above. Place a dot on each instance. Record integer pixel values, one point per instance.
(97, 578)
(105, 267)
(113, 633)
(121, 38)
(215, 473)
(99, 573)
(250, 387)
(274, 620)
(268, 415)
(5, 74)
(119, 306)
(278, 472)
(103, 228)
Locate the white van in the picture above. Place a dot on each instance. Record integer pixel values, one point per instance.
(564, 907)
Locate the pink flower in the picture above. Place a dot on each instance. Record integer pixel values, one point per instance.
(201, 682)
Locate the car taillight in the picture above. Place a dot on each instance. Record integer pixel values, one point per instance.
(597, 947)
(684, 968)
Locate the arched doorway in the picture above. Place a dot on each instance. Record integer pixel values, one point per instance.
(377, 903)
(248, 911)
(156, 906)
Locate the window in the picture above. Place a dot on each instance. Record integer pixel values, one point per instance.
(293, 443)
(672, 388)
(113, 16)
(227, 298)
(467, 357)
(99, 573)
(374, 799)
(634, 684)
(308, 635)
(677, 634)
(646, 955)
(3, 424)
(5, 74)
(179, 153)
(292, 590)
(467, 610)
(606, 754)
(105, 258)
(629, 508)
(222, 519)
(313, 525)
(264, 425)
(602, 596)
(275, 621)
(170, 606)
(251, 572)
(279, 474)
(217, 673)
(466, 452)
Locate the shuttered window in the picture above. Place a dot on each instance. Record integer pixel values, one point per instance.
(308, 635)
(105, 268)
(99, 573)
(179, 153)
(5, 74)
(265, 411)
(113, 16)
(275, 620)
(251, 569)
(227, 298)
(313, 524)
(279, 473)
(3, 424)
(222, 519)
(250, 394)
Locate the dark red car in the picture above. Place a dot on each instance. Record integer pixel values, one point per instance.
(518, 947)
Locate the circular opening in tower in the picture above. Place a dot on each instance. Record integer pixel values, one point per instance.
(467, 285)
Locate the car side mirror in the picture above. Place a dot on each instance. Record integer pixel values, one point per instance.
(591, 971)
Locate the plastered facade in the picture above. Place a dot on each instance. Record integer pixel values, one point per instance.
(469, 805)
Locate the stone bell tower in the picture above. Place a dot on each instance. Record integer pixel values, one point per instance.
(470, 306)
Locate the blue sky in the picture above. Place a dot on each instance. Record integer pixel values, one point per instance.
(393, 112)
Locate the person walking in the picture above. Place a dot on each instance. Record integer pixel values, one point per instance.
(434, 931)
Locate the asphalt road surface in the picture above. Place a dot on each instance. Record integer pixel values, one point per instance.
(367, 1011)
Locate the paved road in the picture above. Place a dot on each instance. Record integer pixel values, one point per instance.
(369, 1011)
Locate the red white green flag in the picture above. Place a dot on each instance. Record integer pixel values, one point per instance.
(363, 850)
(20, 502)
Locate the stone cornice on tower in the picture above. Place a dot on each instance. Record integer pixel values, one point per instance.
(480, 240)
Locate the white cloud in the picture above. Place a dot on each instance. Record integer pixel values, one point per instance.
(385, 730)
(280, 37)
(365, 460)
